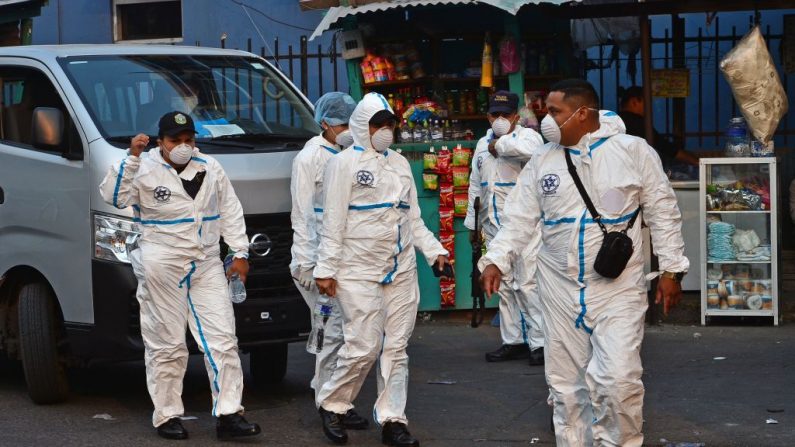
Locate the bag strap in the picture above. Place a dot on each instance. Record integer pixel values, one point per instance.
(584, 194)
(587, 199)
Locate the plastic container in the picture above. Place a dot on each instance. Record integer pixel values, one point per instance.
(237, 290)
(737, 142)
(320, 317)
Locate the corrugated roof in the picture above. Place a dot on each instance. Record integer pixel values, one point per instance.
(335, 14)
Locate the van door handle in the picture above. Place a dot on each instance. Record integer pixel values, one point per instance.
(2, 196)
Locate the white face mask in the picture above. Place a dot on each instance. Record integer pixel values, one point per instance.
(382, 139)
(344, 138)
(500, 126)
(180, 154)
(550, 129)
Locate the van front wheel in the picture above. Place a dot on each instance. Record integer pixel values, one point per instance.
(268, 364)
(39, 337)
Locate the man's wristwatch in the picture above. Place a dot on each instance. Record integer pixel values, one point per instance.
(676, 276)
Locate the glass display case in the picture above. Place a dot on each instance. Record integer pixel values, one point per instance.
(739, 237)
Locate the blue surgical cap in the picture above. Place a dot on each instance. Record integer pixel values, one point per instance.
(335, 108)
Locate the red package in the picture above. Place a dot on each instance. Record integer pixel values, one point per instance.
(460, 204)
(447, 238)
(446, 196)
(447, 289)
(443, 162)
(446, 219)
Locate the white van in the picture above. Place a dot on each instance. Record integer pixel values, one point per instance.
(67, 290)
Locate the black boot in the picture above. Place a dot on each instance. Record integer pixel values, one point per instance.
(397, 435)
(508, 352)
(235, 425)
(352, 421)
(537, 357)
(172, 429)
(333, 426)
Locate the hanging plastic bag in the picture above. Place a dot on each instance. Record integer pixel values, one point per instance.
(752, 75)
(509, 56)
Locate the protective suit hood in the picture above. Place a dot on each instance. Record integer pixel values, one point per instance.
(359, 126)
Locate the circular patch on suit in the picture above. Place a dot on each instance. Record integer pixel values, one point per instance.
(550, 183)
(365, 178)
(162, 194)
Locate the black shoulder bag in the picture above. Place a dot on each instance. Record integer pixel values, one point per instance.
(616, 249)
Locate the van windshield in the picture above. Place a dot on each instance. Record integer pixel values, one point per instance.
(229, 98)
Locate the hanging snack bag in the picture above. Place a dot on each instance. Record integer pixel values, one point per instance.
(443, 162)
(447, 238)
(461, 202)
(429, 160)
(461, 156)
(430, 181)
(461, 177)
(447, 289)
(446, 195)
(446, 219)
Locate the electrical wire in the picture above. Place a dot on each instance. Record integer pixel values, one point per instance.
(244, 5)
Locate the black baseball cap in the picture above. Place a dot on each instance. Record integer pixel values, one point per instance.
(174, 123)
(503, 102)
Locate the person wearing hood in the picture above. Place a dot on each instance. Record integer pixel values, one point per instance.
(184, 202)
(332, 112)
(496, 163)
(367, 262)
(593, 324)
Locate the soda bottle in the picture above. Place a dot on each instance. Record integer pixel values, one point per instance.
(320, 316)
(426, 132)
(237, 290)
(436, 131)
(416, 132)
(405, 133)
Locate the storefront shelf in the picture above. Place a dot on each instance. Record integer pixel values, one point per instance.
(740, 212)
(739, 312)
(739, 262)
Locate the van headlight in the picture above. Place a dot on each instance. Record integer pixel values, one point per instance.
(115, 238)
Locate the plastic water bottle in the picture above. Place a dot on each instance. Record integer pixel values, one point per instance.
(737, 142)
(237, 290)
(320, 317)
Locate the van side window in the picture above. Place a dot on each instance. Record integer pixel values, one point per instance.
(24, 89)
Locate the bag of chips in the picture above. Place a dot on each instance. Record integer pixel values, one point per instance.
(446, 219)
(461, 203)
(429, 161)
(447, 289)
(461, 177)
(443, 162)
(430, 181)
(461, 156)
(446, 195)
(447, 238)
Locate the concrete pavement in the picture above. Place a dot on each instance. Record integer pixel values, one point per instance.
(691, 396)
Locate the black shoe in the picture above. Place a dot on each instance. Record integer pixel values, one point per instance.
(508, 352)
(397, 435)
(172, 429)
(235, 425)
(352, 421)
(333, 426)
(537, 357)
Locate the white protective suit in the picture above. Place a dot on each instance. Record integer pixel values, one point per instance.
(492, 179)
(593, 325)
(306, 187)
(371, 225)
(180, 273)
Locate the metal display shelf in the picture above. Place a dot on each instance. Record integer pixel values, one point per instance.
(735, 288)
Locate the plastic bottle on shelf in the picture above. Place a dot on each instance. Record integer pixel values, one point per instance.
(391, 101)
(416, 134)
(436, 131)
(737, 142)
(320, 317)
(483, 101)
(447, 131)
(426, 132)
(405, 132)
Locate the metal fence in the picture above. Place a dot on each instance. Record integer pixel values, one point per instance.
(315, 73)
(710, 106)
